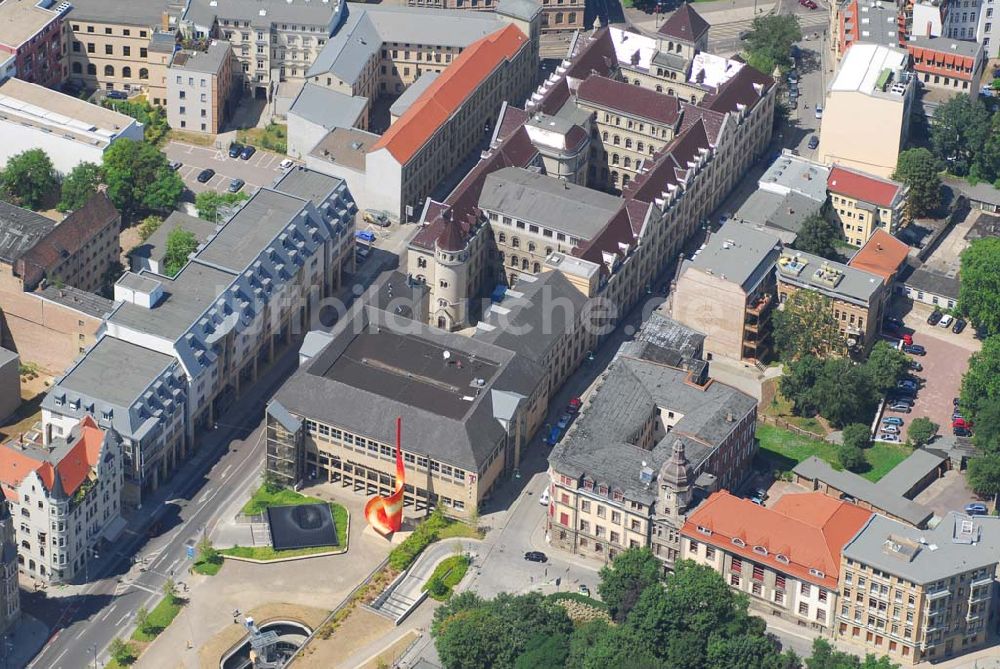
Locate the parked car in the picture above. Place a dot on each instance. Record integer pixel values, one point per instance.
(955, 401)
(890, 429)
(960, 422)
(552, 438)
(959, 325)
(543, 499)
(976, 509)
(899, 408)
(892, 323)
(907, 383)
(365, 236)
(934, 317)
(819, 112)
(813, 142)
(361, 253)
(205, 175)
(117, 95)
(945, 321)
(907, 340)
(889, 437)
(235, 185)
(235, 149)
(757, 500)
(915, 349)
(583, 590)
(961, 431)
(564, 421)
(892, 420)
(175, 165)
(574, 405)
(247, 152)
(286, 163)
(376, 217)
(536, 556)
(916, 366)
(901, 399)
(793, 77)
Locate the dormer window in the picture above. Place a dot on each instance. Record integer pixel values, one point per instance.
(781, 558)
(74, 404)
(588, 484)
(760, 550)
(704, 530)
(59, 400)
(107, 414)
(739, 542)
(817, 573)
(603, 490)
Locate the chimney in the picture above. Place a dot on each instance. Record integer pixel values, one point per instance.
(165, 22)
(729, 417)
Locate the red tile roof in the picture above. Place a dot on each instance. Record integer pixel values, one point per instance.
(882, 254)
(684, 24)
(861, 186)
(634, 100)
(73, 468)
(808, 529)
(445, 96)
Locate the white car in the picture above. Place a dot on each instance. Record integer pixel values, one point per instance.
(544, 498)
(819, 112)
(889, 437)
(890, 429)
(286, 163)
(946, 321)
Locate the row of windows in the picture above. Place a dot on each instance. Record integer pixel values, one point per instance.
(108, 31)
(109, 71)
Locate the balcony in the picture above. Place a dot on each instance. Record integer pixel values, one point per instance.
(760, 305)
(938, 594)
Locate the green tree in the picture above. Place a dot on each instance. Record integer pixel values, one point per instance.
(921, 431)
(987, 437)
(470, 640)
(79, 186)
(584, 638)
(959, 130)
(181, 243)
(843, 393)
(209, 203)
(208, 553)
(857, 435)
(981, 383)
(139, 178)
(797, 382)
(142, 620)
(148, 226)
(170, 590)
(620, 647)
(886, 366)
(851, 458)
(770, 41)
(825, 657)
(122, 652)
(28, 179)
(984, 475)
(819, 236)
(805, 326)
(631, 572)
(979, 287)
(544, 651)
(917, 169)
(746, 651)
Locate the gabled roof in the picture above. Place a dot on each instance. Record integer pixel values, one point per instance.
(633, 100)
(448, 92)
(66, 461)
(807, 530)
(743, 89)
(864, 187)
(684, 24)
(20, 230)
(882, 254)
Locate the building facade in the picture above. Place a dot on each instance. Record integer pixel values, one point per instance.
(861, 204)
(10, 591)
(200, 88)
(947, 65)
(33, 37)
(64, 500)
(556, 15)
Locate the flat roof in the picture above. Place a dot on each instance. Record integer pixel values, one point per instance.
(548, 201)
(242, 238)
(263, 12)
(789, 172)
(782, 214)
(209, 61)
(22, 20)
(739, 254)
(148, 13)
(809, 270)
(116, 371)
(155, 247)
(345, 146)
(90, 304)
(307, 184)
(328, 108)
(863, 64)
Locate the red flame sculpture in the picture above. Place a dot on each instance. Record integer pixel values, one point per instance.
(385, 514)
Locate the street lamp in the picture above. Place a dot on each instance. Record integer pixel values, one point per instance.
(93, 649)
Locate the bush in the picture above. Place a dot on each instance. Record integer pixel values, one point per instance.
(851, 458)
(921, 431)
(123, 652)
(856, 435)
(403, 555)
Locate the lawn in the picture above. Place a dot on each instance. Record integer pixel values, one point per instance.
(264, 497)
(268, 553)
(779, 407)
(449, 573)
(159, 618)
(783, 449)
(273, 137)
(207, 568)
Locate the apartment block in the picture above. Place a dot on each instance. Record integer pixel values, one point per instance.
(556, 15)
(124, 47)
(862, 203)
(947, 66)
(243, 297)
(64, 499)
(465, 407)
(727, 291)
(33, 37)
(10, 592)
(201, 88)
(785, 558)
(69, 130)
(274, 40)
(920, 595)
(873, 82)
(791, 190)
(652, 441)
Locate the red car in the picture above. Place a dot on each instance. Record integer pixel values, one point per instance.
(808, 3)
(907, 340)
(574, 405)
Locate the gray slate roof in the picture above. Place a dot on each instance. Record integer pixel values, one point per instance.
(520, 9)
(901, 478)
(785, 213)
(208, 62)
(148, 13)
(307, 184)
(630, 395)
(360, 383)
(411, 94)
(20, 230)
(74, 298)
(296, 12)
(327, 108)
(935, 283)
(740, 253)
(948, 45)
(862, 489)
(548, 201)
(940, 553)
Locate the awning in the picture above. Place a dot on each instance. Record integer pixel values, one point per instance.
(114, 529)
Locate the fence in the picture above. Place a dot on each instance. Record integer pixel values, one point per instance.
(785, 425)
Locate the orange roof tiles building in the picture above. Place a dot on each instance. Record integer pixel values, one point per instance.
(882, 254)
(76, 483)
(787, 557)
(863, 203)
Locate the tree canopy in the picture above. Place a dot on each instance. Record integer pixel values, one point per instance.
(139, 178)
(886, 366)
(208, 203)
(960, 130)
(626, 578)
(979, 288)
(983, 475)
(770, 41)
(819, 236)
(79, 186)
(29, 179)
(839, 390)
(921, 431)
(805, 326)
(825, 657)
(857, 435)
(181, 243)
(987, 437)
(917, 169)
(981, 383)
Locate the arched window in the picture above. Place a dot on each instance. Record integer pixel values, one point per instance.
(536, 268)
(143, 73)
(627, 162)
(531, 247)
(604, 135)
(127, 72)
(628, 143)
(640, 147)
(421, 263)
(625, 179)
(515, 242)
(616, 140)
(636, 82)
(91, 69)
(109, 71)
(514, 262)
(77, 68)
(502, 238)
(524, 264)
(670, 91)
(548, 251)
(614, 159)
(559, 17)
(614, 177)
(659, 89)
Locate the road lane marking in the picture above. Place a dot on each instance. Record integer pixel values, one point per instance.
(59, 656)
(82, 632)
(122, 619)
(204, 497)
(226, 471)
(108, 612)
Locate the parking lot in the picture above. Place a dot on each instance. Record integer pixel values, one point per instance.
(944, 364)
(261, 170)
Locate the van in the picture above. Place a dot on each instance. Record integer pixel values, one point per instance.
(945, 321)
